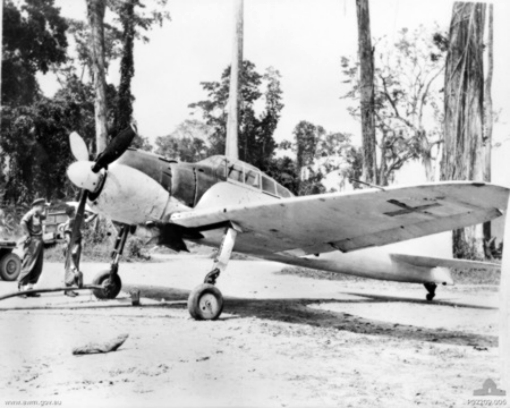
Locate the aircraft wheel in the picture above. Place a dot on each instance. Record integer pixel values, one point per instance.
(205, 302)
(429, 297)
(111, 286)
(10, 267)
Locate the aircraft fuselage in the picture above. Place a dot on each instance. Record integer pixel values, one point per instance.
(145, 189)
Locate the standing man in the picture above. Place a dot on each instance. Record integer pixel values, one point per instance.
(33, 248)
(73, 276)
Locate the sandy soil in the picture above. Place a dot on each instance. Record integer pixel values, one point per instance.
(281, 341)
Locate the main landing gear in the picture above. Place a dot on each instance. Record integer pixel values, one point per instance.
(431, 288)
(109, 279)
(205, 302)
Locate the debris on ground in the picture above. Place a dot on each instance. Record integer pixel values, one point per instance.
(105, 347)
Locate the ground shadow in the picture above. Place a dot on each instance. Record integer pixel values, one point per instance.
(298, 311)
(436, 302)
(295, 310)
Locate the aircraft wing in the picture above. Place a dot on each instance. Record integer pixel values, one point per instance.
(354, 220)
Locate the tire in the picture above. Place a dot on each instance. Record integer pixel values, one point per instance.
(10, 267)
(205, 302)
(111, 286)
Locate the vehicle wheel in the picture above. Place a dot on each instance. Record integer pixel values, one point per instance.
(10, 267)
(111, 287)
(205, 302)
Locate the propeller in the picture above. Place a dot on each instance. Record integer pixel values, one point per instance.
(87, 175)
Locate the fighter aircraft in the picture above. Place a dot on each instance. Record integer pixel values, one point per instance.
(226, 203)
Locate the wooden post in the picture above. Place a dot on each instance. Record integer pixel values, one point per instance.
(231, 144)
(504, 309)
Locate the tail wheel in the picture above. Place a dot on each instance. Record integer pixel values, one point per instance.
(10, 267)
(205, 302)
(431, 288)
(111, 285)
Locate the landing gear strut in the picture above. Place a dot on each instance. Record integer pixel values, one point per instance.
(431, 288)
(205, 302)
(109, 279)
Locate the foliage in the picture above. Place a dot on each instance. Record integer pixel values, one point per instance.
(188, 142)
(319, 153)
(35, 141)
(127, 65)
(142, 143)
(33, 40)
(144, 19)
(133, 20)
(256, 143)
(408, 102)
(284, 171)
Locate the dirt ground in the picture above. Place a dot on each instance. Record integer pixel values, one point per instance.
(282, 341)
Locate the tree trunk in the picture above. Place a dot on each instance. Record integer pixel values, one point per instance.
(231, 145)
(366, 57)
(488, 109)
(1, 53)
(95, 14)
(463, 154)
(127, 67)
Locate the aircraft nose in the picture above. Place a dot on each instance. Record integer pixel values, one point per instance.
(81, 175)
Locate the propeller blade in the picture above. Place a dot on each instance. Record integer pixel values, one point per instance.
(78, 220)
(115, 149)
(78, 147)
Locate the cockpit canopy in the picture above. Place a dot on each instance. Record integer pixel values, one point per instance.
(241, 172)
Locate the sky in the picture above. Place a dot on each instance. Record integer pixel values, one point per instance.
(303, 39)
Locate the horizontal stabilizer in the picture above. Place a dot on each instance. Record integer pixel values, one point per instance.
(431, 262)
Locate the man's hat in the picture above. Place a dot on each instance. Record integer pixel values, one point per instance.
(38, 201)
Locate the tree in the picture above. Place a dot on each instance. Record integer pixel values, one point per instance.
(307, 137)
(487, 139)
(127, 66)
(319, 153)
(34, 39)
(188, 142)
(366, 87)
(232, 142)
(408, 115)
(463, 129)
(35, 142)
(95, 13)
(133, 18)
(283, 170)
(256, 143)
